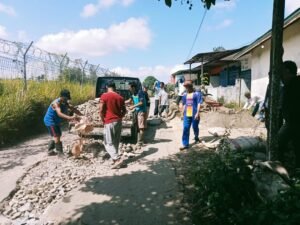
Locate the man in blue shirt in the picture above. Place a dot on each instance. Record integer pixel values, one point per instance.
(139, 104)
(57, 111)
(191, 103)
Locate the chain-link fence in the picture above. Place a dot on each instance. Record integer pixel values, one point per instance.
(26, 61)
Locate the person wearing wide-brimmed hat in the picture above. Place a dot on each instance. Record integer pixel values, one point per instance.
(191, 103)
(58, 110)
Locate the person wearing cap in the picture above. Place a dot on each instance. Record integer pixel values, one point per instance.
(191, 103)
(57, 111)
(112, 109)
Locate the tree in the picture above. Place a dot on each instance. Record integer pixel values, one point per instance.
(219, 49)
(274, 79)
(275, 68)
(72, 74)
(207, 3)
(92, 78)
(111, 74)
(149, 81)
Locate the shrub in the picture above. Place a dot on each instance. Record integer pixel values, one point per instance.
(224, 194)
(224, 187)
(221, 100)
(231, 105)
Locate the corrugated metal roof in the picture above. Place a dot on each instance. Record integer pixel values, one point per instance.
(179, 72)
(211, 56)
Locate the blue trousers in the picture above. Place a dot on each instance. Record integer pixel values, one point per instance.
(187, 123)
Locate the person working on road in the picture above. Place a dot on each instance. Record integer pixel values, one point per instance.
(163, 99)
(180, 89)
(191, 103)
(156, 88)
(289, 131)
(58, 110)
(145, 89)
(139, 104)
(254, 103)
(112, 109)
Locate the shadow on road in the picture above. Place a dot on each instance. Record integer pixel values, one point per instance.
(11, 159)
(145, 153)
(138, 198)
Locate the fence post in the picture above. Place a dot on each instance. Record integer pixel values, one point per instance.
(82, 73)
(61, 65)
(24, 62)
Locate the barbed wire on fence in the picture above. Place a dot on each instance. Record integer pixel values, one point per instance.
(43, 65)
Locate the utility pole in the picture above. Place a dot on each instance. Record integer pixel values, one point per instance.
(274, 82)
(24, 63)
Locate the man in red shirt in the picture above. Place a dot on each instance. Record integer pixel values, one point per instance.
(112, 110)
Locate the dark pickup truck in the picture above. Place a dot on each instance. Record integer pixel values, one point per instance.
(91, 108)
(129, 126)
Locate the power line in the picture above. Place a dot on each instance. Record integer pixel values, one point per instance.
(199, 28)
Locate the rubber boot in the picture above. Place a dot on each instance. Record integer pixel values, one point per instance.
(140, 138)
(59, 148)
(51, 147)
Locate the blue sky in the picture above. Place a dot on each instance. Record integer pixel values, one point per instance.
(135, 37)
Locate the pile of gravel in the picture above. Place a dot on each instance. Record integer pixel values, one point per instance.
(52, 179)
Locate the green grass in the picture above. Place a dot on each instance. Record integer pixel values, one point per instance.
(22, 112)
(232, 105)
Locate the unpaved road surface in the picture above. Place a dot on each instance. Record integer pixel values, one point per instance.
(53, 190)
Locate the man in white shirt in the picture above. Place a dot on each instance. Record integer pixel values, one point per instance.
(163, 99)
(181, 90)
(251, 102)
(156, 88)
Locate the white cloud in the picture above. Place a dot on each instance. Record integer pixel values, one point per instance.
(90, 9)
(291, 5)
(3, 32)
(133, 33)
(127, 2)
(225, 5)
(22, 36)
(160, 72)
(225, 23)
(7, 10)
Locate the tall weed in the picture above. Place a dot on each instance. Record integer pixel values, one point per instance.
(22, 112)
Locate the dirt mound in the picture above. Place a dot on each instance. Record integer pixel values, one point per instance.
(237, 120)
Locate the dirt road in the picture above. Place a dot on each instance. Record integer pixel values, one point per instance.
(143, 193)
(53, 190)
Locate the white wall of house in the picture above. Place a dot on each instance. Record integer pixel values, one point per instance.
(230, 93)
(260, 61)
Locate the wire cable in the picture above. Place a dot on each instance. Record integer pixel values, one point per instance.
(199, 28)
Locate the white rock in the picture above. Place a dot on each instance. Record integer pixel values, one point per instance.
(26, 207)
